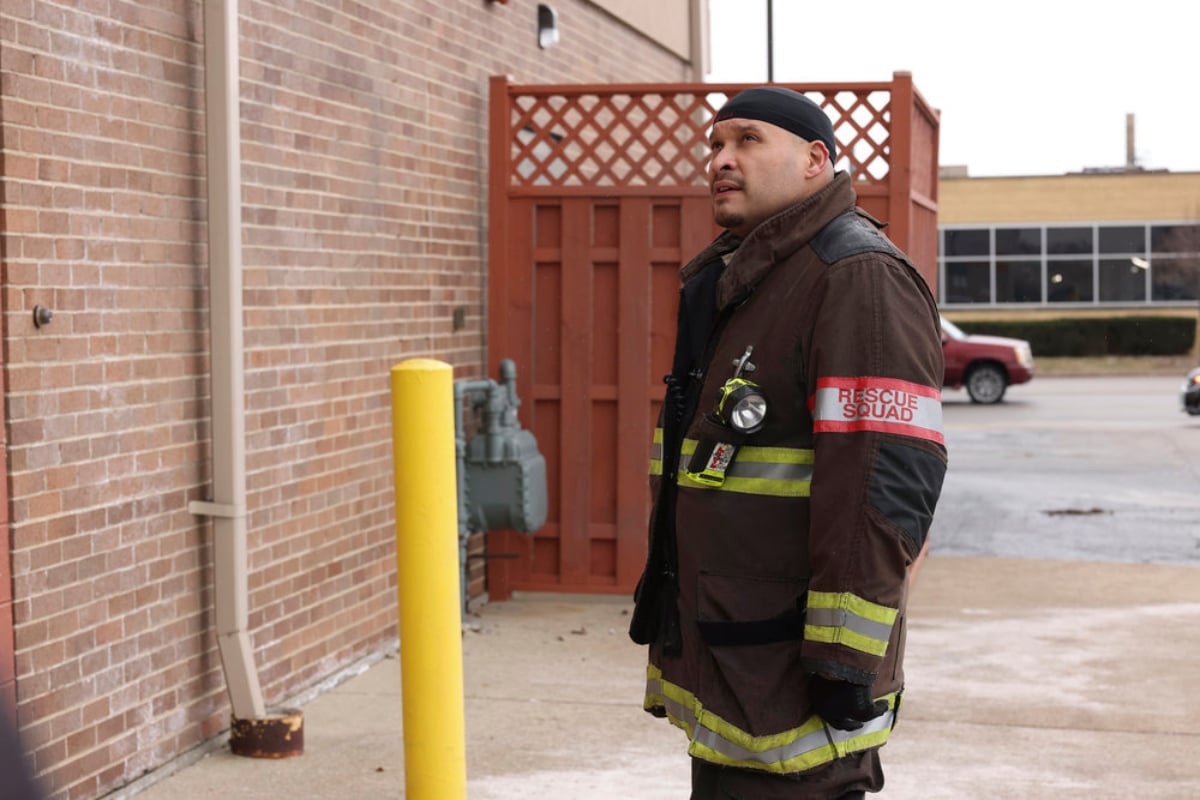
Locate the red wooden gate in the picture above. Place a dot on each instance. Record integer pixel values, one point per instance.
(597, 196)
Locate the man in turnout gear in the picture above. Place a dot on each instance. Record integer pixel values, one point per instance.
(795, 471)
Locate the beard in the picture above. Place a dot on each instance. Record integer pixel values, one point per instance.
(728, 219)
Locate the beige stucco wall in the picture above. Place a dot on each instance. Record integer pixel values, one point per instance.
(667, 22)
(1070, 198)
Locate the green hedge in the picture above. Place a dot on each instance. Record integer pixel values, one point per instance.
(1114, 336)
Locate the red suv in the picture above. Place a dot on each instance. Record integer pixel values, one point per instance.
(986, 365)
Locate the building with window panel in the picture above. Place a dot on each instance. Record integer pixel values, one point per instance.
(1091, 240)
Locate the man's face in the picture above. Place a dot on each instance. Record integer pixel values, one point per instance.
(756, 170)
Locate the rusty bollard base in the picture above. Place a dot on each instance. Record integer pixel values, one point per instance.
(280, 734)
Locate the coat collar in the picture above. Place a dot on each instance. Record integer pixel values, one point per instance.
(775, 239)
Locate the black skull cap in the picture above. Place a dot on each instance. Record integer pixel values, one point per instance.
(785, 108)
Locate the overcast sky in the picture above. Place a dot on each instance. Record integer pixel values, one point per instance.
(1031, 87)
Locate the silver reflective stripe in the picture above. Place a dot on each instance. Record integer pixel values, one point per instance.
(808, 743)
(770, 471)
(794, 482)
(676, 709)
(842, 618)
(765, 471)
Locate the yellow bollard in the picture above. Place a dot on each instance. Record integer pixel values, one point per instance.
(431, 672)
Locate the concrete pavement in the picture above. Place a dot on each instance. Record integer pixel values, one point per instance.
(1067, 672)
(1026, 679)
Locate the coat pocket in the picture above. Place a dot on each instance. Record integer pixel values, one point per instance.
(753, 628)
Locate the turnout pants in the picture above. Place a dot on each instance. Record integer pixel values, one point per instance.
(714, 782)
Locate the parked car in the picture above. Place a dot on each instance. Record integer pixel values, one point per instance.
(1191, 393)
(986, 365)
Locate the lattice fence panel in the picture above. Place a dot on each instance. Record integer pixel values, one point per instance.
(627, 137)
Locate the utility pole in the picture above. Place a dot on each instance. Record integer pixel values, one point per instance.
(770, 41)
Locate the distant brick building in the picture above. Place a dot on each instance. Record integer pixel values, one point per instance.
(364, 180)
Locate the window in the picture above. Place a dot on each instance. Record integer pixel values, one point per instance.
(967, 282)
(1018, 282)
(1125, 239)
(1122, 280)
(1069, 281)
(1018, 241)
(1175, 238)
(1176, 278)
(1085, 263)
(971, 242)
(1068, 241)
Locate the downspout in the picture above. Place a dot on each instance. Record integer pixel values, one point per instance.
(254, 732)
(228, 507)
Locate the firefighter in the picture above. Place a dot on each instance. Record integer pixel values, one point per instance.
(795, 470)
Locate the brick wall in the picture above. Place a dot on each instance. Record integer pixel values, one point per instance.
(364, 135)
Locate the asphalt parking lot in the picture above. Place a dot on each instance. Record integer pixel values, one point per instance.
(1080, 468)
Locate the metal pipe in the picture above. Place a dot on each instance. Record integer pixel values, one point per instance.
(228, 506)
(461, 390)
(1130, 149)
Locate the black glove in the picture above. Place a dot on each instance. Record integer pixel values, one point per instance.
(845, 706)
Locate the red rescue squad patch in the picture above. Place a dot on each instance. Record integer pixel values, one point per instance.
(845, 405)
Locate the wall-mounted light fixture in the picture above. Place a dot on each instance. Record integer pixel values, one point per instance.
(547, 26)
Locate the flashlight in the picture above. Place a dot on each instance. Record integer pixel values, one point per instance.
(742, 405)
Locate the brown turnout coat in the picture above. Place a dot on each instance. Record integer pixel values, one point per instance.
(796, 561)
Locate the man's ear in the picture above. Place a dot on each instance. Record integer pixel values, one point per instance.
(818, 158)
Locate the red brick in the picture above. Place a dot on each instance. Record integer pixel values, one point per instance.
(361, 237)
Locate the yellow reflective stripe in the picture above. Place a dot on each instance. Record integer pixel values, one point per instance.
(713, 739)
(763, 486)
(771, 471)
(760, 455)
(776, 455)
(844, 618)
(854, 604)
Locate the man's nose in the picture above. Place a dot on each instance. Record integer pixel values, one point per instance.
(722, 160)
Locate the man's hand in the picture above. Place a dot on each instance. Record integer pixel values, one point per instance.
(845, 706)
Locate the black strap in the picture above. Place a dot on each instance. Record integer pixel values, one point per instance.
(656, 609)
(697, 315)
(786, 627)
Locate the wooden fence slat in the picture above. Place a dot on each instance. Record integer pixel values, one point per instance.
(634, 422)
(575, 457)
